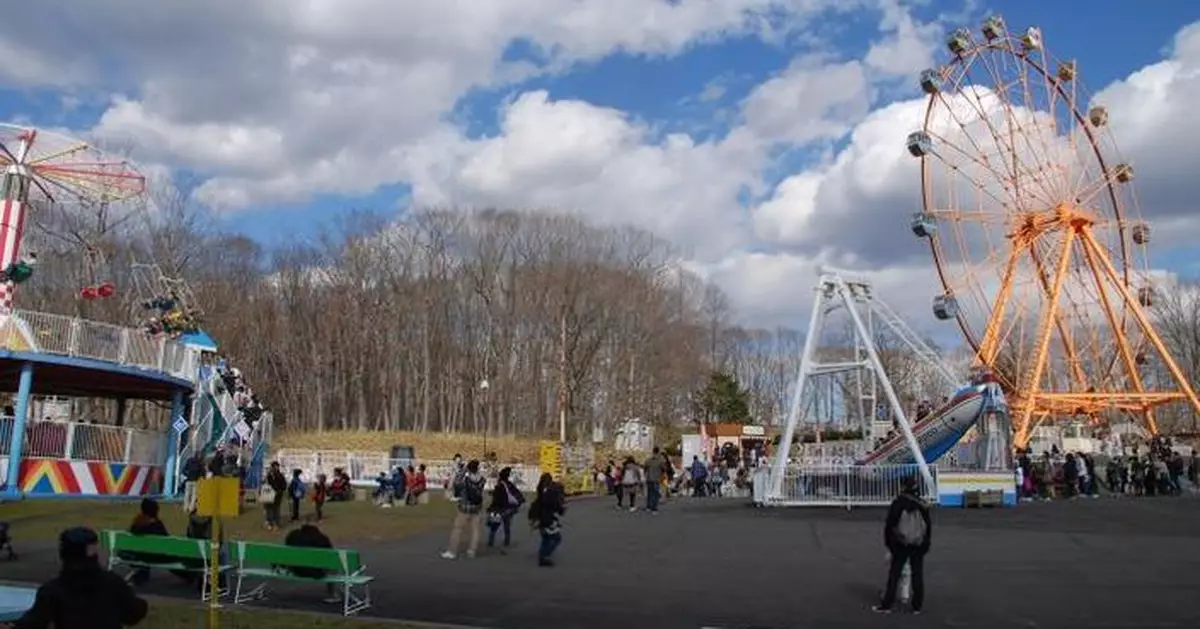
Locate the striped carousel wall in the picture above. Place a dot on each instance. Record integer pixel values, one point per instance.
(57, 477)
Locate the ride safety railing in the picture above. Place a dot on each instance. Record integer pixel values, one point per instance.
(366, 466)
(72, 336)
(842, 485)
(78, 441)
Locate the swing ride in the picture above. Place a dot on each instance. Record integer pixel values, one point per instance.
(42, 168)
(49, 178)
(1033, 227)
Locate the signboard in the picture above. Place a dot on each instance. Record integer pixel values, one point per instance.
(217, 497)
(754, 431)
(550, 458)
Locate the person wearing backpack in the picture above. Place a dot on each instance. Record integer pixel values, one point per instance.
(907, 534)
(297, 490)
(470, 492)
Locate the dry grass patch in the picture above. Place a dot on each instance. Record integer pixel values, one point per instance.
(429, 446)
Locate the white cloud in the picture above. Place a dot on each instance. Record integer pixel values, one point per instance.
(278, 101)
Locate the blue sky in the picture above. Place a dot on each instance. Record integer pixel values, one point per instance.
(698, 88)
(666, 92)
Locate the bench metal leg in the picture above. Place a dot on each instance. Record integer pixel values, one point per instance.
(239, 597)
(353, 603)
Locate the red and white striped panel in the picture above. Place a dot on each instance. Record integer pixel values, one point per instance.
(12, 225)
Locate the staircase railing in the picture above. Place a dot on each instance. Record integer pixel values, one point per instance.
(260, 440)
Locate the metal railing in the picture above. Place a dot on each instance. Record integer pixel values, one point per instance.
(72, 336)
(364, 466)
(77, 441)
(843, 485)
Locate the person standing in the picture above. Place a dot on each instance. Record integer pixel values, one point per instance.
(907, 533)
(296, 491)
(320, 493)
(271, 495)
(699, 473)
(469, 488)
(631, 478)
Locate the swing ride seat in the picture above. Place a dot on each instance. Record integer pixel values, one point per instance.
(166, 552)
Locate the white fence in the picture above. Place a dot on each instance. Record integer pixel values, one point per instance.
(85, 442)
(71, 336)
(367, 466)
(842, 485)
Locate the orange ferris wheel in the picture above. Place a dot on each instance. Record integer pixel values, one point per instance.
(1031, 218)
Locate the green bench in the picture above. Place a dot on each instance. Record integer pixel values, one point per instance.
(271, 562)
(184, 554)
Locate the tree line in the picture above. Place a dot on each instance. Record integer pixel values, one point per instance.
(396, 325)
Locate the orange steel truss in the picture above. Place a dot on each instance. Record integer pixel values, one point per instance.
(1034, 230)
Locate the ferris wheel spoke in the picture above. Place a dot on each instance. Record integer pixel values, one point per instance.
(56, 155)
(980, 186)
(1017, 129)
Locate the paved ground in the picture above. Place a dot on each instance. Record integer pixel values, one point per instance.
(1091, 563)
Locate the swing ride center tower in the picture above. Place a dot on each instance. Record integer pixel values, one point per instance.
(43, 354)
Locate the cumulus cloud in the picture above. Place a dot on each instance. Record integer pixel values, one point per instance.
(858, 203)
(276, 101)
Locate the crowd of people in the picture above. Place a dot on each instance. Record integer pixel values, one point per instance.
(468, 489)
(246, 400)
(1158, 469)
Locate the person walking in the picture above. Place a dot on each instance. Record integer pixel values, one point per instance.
(506, 501)
(469, 488)
(907, 533)
(654, 468)
(546, 515)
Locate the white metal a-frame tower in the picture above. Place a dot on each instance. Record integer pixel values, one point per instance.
(840, 289)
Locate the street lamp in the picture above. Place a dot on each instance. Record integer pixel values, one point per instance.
(484, 385)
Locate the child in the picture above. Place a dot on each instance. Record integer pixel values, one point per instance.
(297, 491)
(904, 587)
(320, 492)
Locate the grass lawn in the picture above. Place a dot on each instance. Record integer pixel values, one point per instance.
(346, 523)
(168, 614)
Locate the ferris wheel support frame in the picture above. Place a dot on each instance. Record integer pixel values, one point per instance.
(1037, 405)
(837, 289)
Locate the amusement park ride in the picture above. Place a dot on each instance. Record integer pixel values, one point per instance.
(1034, 230)
(41, 354)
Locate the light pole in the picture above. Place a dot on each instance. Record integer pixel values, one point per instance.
(484, 385)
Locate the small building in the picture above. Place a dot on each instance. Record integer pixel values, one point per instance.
(746, 438)
(634, 435)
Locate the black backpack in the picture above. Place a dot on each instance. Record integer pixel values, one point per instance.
(472, 491)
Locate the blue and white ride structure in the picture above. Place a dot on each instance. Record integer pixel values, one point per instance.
(913, 447)
(937, 433)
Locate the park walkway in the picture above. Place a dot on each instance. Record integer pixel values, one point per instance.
(1090, 563)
